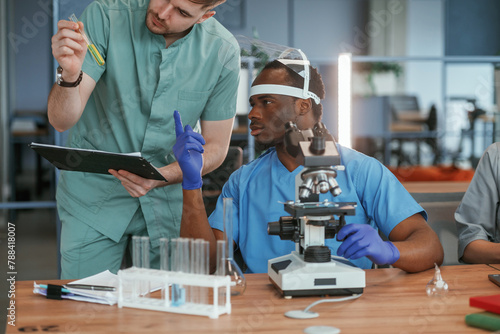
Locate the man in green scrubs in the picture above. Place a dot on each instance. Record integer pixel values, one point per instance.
(160, 56)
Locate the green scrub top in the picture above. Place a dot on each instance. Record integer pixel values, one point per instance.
(131, 110)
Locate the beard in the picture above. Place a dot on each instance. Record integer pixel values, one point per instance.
(272, 135)
(260, 147)
(150, 24)
(262, 144)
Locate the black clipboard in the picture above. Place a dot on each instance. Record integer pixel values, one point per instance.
(92, 161)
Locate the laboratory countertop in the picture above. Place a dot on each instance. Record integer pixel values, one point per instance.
(437, 191)
(393, 302)
(436, 186)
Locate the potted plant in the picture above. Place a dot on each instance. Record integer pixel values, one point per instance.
(382, 72)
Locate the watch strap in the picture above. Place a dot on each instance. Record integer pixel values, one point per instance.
(63, 83)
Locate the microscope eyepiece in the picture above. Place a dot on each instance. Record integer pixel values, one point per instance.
(317, 146)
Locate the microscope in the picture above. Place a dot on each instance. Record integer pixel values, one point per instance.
(311, 269)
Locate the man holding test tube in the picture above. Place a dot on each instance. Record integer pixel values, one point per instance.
(260, 188)
(159, 56)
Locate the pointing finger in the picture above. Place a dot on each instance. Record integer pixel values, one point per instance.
(178, 124)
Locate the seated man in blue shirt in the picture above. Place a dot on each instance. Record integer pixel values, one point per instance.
(260, 188)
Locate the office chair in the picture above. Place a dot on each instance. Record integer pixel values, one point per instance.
(412, 129)
(473, 113)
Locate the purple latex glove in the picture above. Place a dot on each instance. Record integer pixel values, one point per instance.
(188, 150)
(363, 240)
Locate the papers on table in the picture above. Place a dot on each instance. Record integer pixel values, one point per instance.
(105, 278)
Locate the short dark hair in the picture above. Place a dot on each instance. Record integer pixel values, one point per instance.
(208, 3)
(316, 84)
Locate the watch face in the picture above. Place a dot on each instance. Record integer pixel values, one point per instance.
(59, 75)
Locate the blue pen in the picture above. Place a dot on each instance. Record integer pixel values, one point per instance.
(44, 286)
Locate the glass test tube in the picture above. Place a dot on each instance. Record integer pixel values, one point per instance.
(140, 249)
(164, 261)
(221, 268)
(185, 259)
(238, 282)
(199, 260)
(93, 50)
(221, 258)
(145, 252)
(136, 252)
(199, 256)
(194, 291)
(205, 267)
(180, 262)
(174, 254)
(227, 209)
(140, 259)
(164, 254)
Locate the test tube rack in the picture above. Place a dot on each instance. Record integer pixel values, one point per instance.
(161, 279)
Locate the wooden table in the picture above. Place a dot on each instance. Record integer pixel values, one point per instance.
(393, 302)
(437, 191)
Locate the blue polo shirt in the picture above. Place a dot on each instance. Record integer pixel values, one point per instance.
(260, 188)
(131, 110)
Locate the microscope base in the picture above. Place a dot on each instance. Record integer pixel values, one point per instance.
(292, 276)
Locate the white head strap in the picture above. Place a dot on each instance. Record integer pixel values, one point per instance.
(289, 90)
(283, 90)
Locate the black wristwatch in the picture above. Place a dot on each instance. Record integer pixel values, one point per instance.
(62, 83)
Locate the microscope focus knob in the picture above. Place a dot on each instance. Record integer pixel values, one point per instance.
(317, 254)
(273, 228)
(287, 228)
